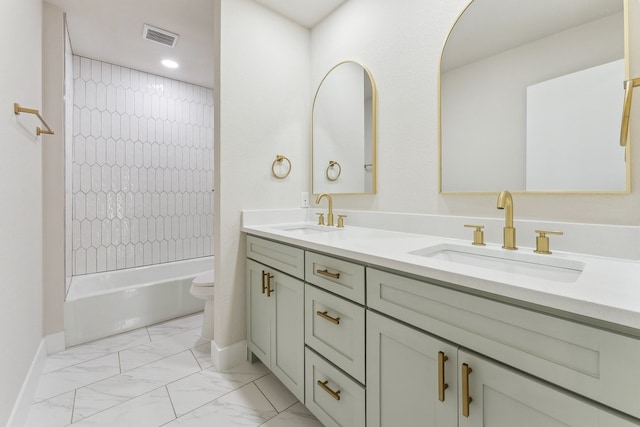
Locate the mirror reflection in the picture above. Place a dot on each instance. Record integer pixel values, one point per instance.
(531, 97)
(344, 131)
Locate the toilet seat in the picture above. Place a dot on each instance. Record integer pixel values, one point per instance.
(205, 279)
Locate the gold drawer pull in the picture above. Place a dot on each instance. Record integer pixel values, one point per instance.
(325, 387)
(269, 289)
(325, 272)
(442, 386)
(264, 284)
(466, 399)
(325, 316)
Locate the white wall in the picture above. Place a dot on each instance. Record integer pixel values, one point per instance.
(262, 109)
(53, 151)
(21, 195)
(401, 42)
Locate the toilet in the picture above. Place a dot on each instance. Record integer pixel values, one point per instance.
(202, 288)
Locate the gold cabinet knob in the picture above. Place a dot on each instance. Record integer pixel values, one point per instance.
(320, 218)
(341, 221)
(542, 241)
(478, 234)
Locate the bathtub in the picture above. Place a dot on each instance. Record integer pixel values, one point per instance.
(103, 304)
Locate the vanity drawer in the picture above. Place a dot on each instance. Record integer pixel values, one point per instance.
(333, 397)
(340, 277)
(285, 258)
(334, 327)
(599, 364)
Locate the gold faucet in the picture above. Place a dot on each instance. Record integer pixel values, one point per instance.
(505, 201)
(330, 213)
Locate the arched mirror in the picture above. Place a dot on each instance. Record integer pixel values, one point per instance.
(531, 96)
(344, 131)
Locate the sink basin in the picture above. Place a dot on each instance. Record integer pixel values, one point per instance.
(526, 264)
(304, 229)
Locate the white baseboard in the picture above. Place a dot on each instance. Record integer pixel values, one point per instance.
(55, 342)
(22, 406)
(228, 357)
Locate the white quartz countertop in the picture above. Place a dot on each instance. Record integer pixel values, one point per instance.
(607, 292)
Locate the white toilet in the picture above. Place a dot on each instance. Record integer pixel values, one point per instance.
(202, 288)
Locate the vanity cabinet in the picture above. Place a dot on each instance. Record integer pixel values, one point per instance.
(503, 397)
(332, 396)
(416, 379)
(407, 351)
(597, 364)
(334, 327)
(411, 376)
(275, 302)
(335, 339)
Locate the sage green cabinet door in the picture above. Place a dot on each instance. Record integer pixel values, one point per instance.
(501, 397)
(287, 351)
(403, 376)
(275, 323)
(259, 309)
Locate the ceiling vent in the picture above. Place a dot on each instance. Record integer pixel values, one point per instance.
(159, 35)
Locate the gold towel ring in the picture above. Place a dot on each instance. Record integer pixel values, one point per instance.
(333, 164)
(279, 159)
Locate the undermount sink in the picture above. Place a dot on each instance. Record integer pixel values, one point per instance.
(526, 264)
(304, 229)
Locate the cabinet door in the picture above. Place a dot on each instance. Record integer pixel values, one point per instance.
(404, 374)
(259, 309)
(287, 346)
(501, 397)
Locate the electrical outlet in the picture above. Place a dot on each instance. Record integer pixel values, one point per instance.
(304, 199)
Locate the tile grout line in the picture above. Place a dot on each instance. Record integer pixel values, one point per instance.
(265, 396)
(120, 404)
(73, 406)
(171, 401)
(136, 396)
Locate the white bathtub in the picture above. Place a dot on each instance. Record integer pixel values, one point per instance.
(103, 304)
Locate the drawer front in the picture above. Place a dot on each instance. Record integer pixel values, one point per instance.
(598, 364)
(285, 258)
(333, 397)
(340, 277)
(334, 327)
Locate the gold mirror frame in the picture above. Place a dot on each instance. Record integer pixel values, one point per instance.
(627, 154)
(373, 142)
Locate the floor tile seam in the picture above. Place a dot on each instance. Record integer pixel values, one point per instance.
(121, 372)
(175, 414)
(158, 360)
(75, 389)
(212, 400)
(79, 363)
(265, 396)
(73, 405)
(163, 337)
(197, 361)
(75, 364)
(119, 403)
(150, 351)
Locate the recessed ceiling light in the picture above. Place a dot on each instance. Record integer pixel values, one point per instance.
(170, 63)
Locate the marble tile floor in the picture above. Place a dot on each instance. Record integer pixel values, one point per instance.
(161, 375)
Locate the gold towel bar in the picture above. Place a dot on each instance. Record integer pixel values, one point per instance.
(17, 109)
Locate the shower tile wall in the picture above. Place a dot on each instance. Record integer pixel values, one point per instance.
(142, 174)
